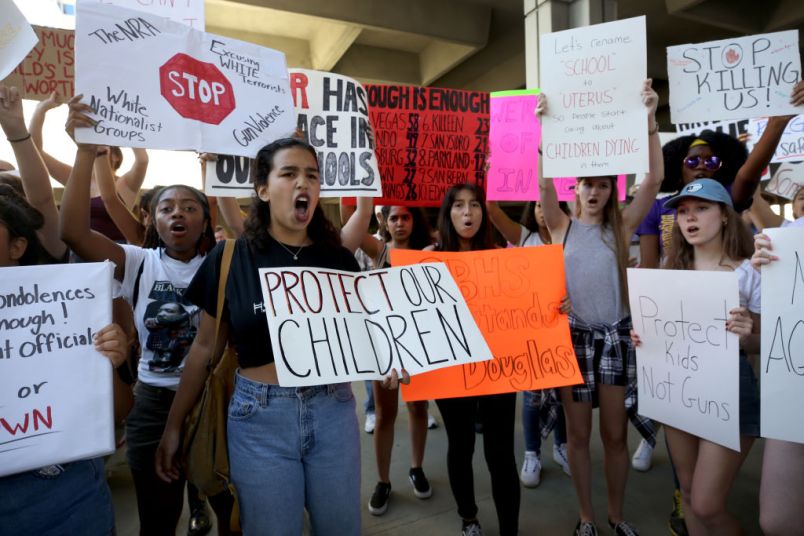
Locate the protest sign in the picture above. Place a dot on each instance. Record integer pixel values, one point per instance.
(175, 87)
(332, 113)
(732, 128)
(189, 12)
(688, 368)
(427, 140)
(330, 326)
(517, 314)
(55, 389)
(17, 37)
(514, 138)
(782, 359)
(228, 176)
(734, 78)
(48, 67)
(787, 180)
(596, 123)
(790, 147)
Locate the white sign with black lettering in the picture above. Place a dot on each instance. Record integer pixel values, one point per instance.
(331, 326)
(55, 389)
(688, 364)
(782, 355)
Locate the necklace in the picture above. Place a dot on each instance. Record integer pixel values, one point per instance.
(295, 255)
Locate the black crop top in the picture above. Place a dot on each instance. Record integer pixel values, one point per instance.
(243, 309)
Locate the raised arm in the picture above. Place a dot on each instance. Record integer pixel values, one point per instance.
(556, 219)
(355, 229)
(57, 169)
(75, 228)
(510, 229)
(130, 182)
(33, 173)
(635, 212)
(122, 217)
(747, 179)
(762, 214)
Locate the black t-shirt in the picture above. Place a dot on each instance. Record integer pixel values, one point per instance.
(243, 309)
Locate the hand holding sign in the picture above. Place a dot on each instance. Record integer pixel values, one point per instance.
(77, 118)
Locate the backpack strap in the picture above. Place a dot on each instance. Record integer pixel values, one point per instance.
(136, 296)
(566, 235)
(226, 263)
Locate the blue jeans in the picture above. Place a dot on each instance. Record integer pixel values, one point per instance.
(72, 498)
(295, 448)
(531, 412)
(368, 405)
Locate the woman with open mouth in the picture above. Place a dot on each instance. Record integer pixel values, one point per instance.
(154, 278)
(596, 242)
(710, 235)
(463, 225)
(290, 449)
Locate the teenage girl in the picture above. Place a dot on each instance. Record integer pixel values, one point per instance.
(596, 256)
(710, 235)
(463, 225)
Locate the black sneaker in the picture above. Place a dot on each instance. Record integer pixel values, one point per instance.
(378, 504)
(421, 486)
(585, 528)
(199, 522)
(472, 528)
(623, 528)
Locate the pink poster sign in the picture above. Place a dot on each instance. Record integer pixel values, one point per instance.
(514, 138)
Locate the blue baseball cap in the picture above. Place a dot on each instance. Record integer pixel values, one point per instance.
(706, 189)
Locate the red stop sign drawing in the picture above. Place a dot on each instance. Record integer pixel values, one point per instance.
(195, 89)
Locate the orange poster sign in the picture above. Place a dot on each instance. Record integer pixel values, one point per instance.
(513, 295)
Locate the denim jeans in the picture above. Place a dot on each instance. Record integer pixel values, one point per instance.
(72, 498)
(291, 449)
(368, 405)
(531, 414)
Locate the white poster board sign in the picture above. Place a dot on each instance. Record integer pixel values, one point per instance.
(595, 123)
(17, 37)
(175, 87)
(790, 147)
(228, 176)
(189, 12)
(56, 401)
(734, 78)
(688, 368)
(331, 326)
(782, 355)
(787, 180)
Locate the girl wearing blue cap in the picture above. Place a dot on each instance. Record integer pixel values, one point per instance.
(710, 235)
(596, 256)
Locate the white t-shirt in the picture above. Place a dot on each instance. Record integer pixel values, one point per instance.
(166, 323)
(797, 223)
(529, 238)
(749, 284)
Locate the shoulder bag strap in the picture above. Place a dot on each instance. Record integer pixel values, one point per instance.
(226, 263)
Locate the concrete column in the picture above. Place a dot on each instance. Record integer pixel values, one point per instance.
(546, 16)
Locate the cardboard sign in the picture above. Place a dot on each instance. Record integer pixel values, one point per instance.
(787, 180)
(56, 402)
(189, 12)
(734, 78)
(175, 87)
(48, 67)
(790, 147)
(732, 128)
(688, 368)
(782, 356)
(428, 139)
(330, 326)
(333, 115)
(595, 123)
(17, 37)
(518, 316)
(514, 138)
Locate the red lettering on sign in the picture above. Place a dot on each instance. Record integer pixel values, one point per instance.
(195, 89)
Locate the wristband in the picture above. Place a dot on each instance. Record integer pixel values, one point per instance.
(26, 137)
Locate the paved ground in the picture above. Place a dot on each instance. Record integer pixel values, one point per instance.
(547, 510)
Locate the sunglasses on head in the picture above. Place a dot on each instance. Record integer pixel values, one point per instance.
(712, 163)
